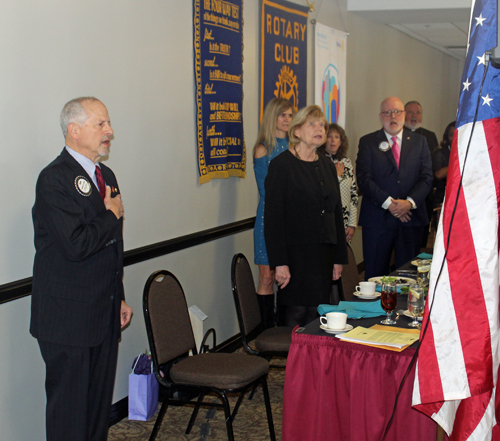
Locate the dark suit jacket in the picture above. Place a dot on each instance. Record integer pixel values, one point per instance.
(432, 141)
(78, 269)
(378, 178)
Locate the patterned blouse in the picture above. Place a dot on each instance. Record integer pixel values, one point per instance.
(348, 192)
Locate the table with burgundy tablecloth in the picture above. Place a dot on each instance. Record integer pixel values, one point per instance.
(344, 391)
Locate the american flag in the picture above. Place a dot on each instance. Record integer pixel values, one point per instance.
(458, 363)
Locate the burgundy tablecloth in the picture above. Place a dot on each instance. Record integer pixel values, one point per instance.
(344, 391)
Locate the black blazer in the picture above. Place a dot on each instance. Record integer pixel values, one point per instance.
(378, 178)
(302, 207)
(78, 268)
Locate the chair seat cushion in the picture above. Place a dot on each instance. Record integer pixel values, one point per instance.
(277, 339)
(219, 370)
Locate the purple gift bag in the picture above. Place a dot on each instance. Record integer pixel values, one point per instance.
(142, 393)
(142, 396)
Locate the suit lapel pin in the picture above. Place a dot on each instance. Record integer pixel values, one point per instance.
(114, 189)
(384, 146)
(83, 186)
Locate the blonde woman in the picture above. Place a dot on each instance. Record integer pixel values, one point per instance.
(271, 141)
(335, 149)
(303, 222)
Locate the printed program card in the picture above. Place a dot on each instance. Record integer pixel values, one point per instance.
(380, 336)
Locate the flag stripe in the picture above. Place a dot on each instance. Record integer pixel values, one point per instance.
(446, 415)
(440, 357)
(428, 376)
(470, 256)
(474, 418)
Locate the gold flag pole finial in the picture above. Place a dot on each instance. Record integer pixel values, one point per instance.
(310, 6)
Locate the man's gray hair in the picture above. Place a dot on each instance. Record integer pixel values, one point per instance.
(74, 112)
(413, 102)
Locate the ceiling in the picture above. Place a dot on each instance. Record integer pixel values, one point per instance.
(442, 24)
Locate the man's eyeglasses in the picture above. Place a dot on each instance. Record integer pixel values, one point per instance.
(389, 113)
(411, 112)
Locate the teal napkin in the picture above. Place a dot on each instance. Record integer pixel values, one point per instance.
(354, 310)
(424, 256)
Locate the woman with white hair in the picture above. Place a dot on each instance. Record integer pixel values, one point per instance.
(303, 222)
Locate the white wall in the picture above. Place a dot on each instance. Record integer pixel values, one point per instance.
(136, 56)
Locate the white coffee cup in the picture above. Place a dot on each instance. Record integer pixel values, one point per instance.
(366, 288)
(334, 320)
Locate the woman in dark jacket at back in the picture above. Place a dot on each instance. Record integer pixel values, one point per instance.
(303, 223)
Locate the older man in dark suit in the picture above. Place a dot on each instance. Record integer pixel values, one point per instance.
(78, 305)
(394, 173)
(413, 122)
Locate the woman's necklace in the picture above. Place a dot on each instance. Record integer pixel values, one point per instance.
(298, 156)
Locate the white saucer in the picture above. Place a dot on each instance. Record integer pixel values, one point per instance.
(407, 313)
(336, 331)
(366, 297)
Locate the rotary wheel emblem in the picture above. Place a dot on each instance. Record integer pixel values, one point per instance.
(83, 186)
(287, 87)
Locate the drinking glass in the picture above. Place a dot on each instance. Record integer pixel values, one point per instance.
(423, 268)
(389, 299)
(416, 304)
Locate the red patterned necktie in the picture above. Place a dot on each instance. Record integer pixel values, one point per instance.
(100, 181)
(395, 149)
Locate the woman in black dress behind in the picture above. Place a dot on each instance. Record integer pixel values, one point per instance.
(303, 223)
(440, 160)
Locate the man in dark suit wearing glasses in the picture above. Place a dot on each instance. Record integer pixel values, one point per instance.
(394, 173)
(78, 306)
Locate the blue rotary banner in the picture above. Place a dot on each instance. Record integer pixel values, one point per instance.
(283, 53)
(218, 66)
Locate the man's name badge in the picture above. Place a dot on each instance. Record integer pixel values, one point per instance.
(384, 146)
(83, 186)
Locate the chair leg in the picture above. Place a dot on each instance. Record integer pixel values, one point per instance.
(254, 388)
(195, 413)
(159, 419)
(229, 419)
(268, 409)
(237, 406)
(341, 290)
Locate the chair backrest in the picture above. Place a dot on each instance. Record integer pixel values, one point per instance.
(167, 319)
(350, 275)
(245, 297)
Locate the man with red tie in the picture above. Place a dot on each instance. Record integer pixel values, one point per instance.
(78, 306)
(394, 173)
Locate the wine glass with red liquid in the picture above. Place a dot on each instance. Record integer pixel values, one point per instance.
(389, 299)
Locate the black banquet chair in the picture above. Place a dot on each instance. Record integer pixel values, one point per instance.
(350, 276)
(271, 342)
(171, 338)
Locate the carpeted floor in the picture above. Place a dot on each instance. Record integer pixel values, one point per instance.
(250, 422)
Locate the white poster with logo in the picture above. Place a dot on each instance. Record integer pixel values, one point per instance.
(330, 49)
